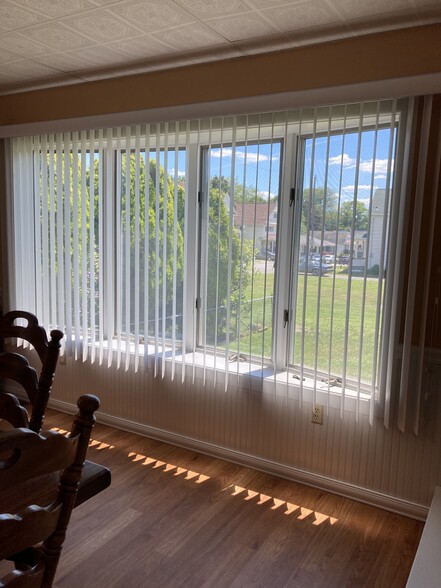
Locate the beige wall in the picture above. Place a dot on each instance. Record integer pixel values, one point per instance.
(377, 57)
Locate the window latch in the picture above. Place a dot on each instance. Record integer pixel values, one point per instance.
(292, 196)
(285, 317)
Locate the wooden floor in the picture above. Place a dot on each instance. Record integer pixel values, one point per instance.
(173, 517)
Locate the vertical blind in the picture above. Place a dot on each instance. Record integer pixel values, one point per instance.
(259, 245)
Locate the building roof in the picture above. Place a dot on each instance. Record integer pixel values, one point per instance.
(251, 213)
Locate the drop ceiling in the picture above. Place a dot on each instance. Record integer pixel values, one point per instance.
(51, 42)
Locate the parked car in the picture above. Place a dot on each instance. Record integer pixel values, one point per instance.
(313, 267)
(326, 258)
(265, 255)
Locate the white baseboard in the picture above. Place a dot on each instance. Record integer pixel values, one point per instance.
(373, 498)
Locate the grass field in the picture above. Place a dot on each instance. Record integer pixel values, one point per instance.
(322, 317)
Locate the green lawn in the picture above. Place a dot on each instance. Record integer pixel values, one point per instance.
(256, 320)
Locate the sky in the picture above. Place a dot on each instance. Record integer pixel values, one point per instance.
(350, 164)
(368, 151)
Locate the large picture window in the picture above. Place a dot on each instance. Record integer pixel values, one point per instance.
(259, 245)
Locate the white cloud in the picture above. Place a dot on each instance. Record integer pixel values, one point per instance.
(181, 174)
(347, 160)
(381, 165)
(250, 157)
(350, 190)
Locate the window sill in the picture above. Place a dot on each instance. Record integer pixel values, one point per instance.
(216, 370)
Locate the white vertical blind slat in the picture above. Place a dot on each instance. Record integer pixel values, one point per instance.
(164, 249)
(33, 228)
(76, 244)
(59, 308)
(146, 245)
(157, 246)
(127, 248)
(91, 274)
(349, 288)
(52, 233)
(84, 248)
(67, 244)
(118, 249)
(108, 253)
(137, 260)
(175, 248)
(100, 246)
(44, 279)
(230, 246)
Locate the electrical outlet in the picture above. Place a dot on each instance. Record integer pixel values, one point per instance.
(317, 415)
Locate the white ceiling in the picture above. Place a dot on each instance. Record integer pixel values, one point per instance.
(50, 42)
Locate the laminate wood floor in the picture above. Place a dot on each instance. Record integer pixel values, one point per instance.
(176, 518)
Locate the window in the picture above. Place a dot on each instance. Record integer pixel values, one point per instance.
(259, 244)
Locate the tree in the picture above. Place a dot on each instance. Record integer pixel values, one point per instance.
(228, 264)
(160, 239)
(241, 193)
(321, 212)
(361, 218)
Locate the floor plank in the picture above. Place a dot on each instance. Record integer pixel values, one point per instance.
(175, 518)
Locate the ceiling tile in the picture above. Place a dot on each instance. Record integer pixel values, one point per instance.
(301, 16)
(21, 45)
(209, 8)
(272, 3)
(7, 56)
(189, 37)
(57, 8)
(152, 15)
(353, 9)
(56, 36)
(243, 26)
(100, 55)
(142, 46)
(62, 61)
(15, 17)
(28, 69)
(101, 26)
(105, 2)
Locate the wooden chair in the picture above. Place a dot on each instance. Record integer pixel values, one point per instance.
(35, 500)
(14, 366)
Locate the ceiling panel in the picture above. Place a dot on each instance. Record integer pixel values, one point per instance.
(55, 8)
(50, 42)
(152, 16)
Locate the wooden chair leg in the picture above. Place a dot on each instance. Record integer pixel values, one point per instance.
(69, 482)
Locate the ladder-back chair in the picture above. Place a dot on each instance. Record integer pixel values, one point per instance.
(36, 501)
(14, 366)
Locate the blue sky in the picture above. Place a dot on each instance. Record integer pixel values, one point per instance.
(255, 165)
(368, 151)
(259, 165)
(262, 168)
